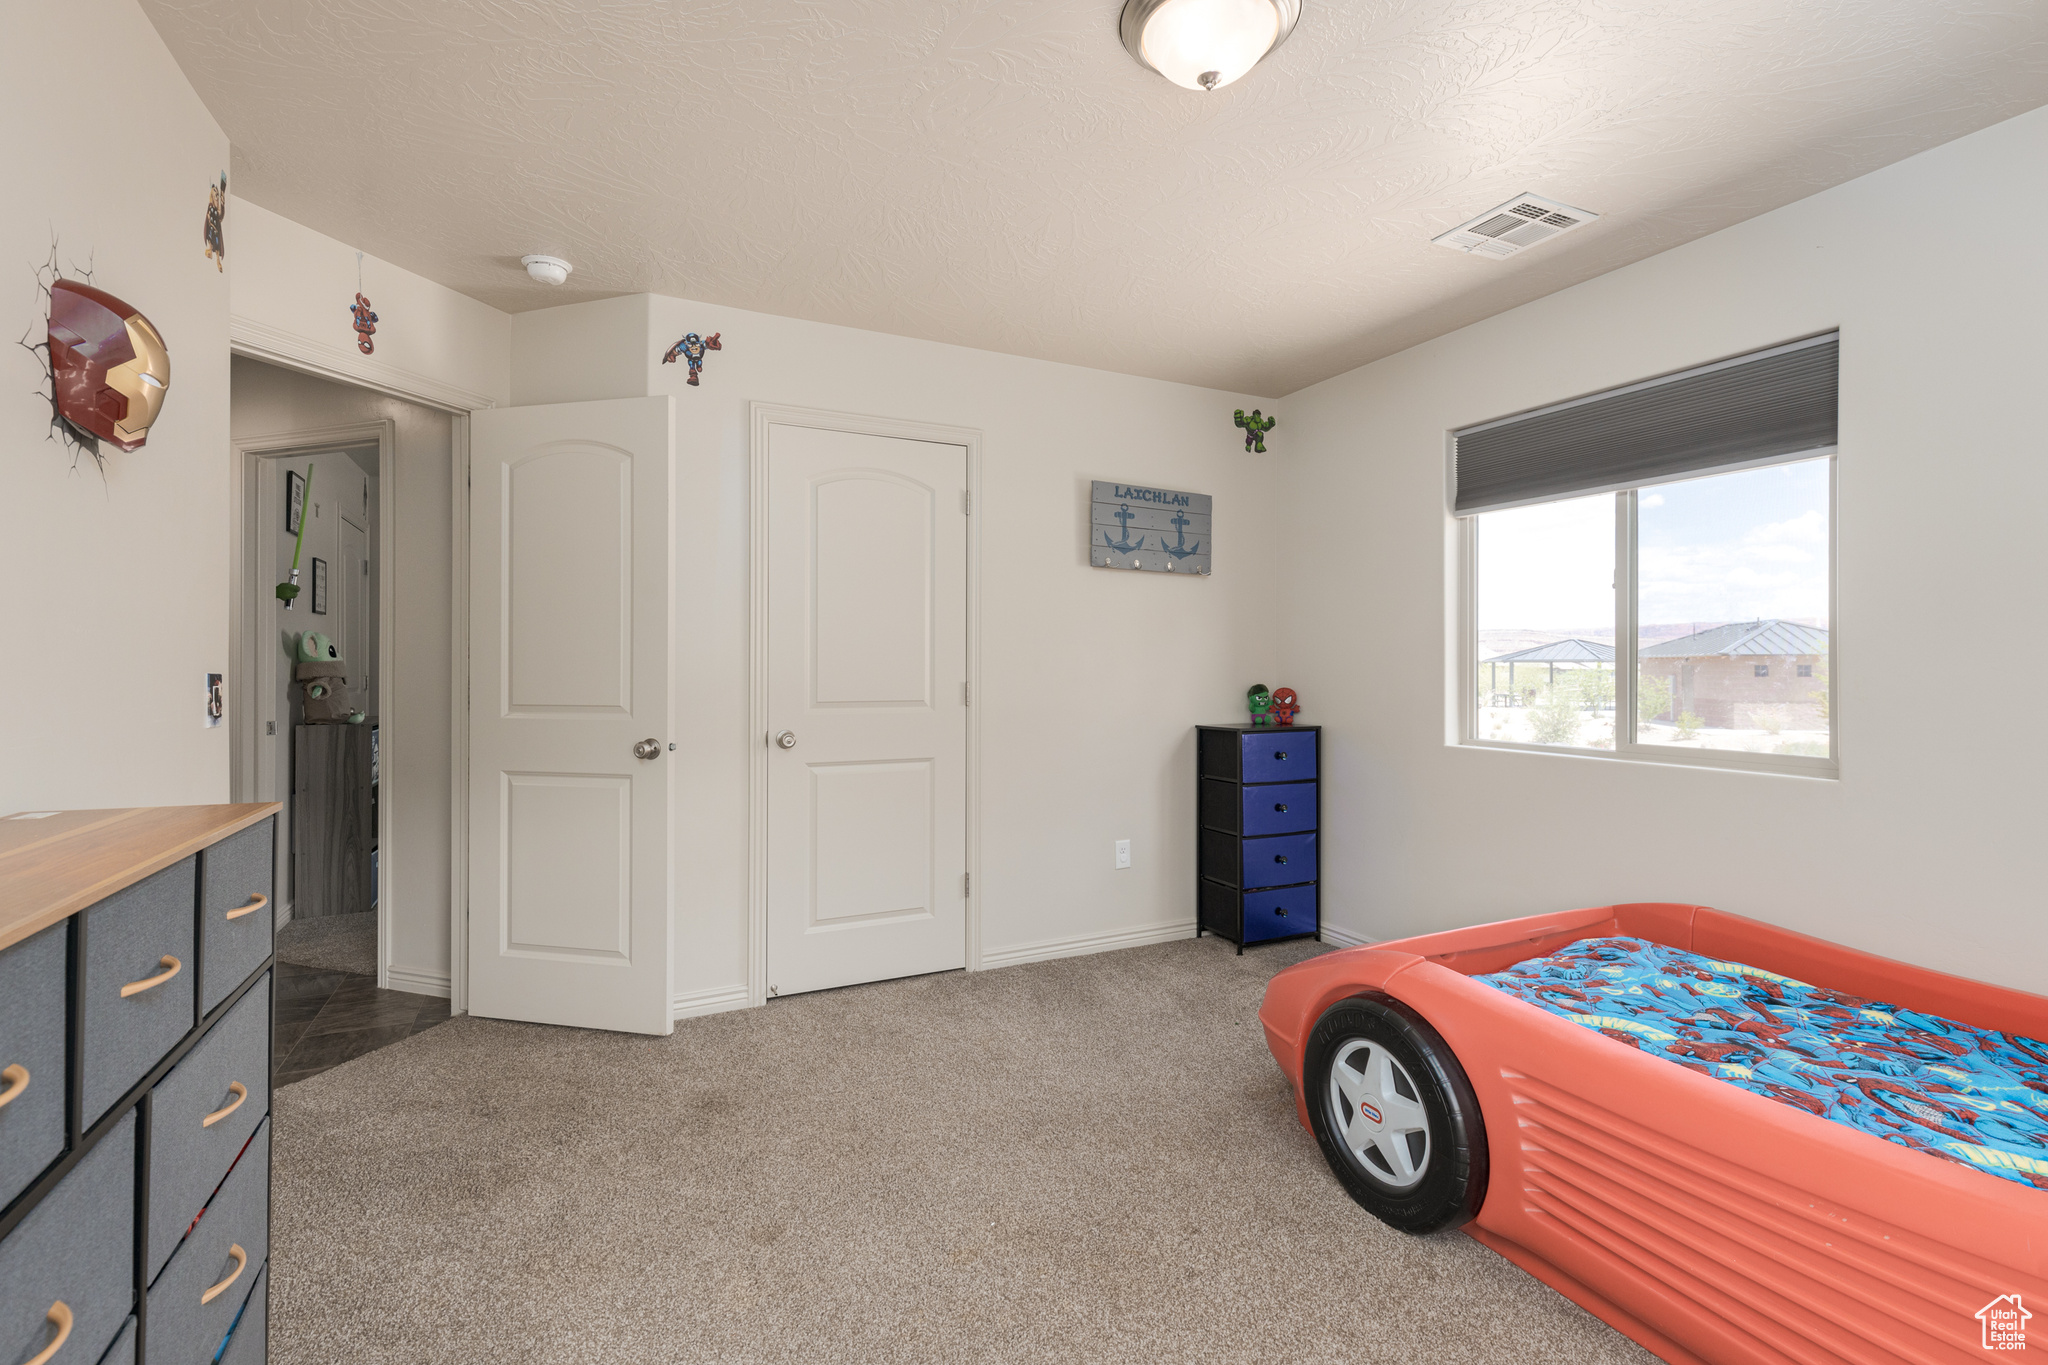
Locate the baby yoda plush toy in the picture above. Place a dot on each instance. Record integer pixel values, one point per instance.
(323, 682)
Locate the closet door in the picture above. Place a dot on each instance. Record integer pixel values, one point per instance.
(569, 770)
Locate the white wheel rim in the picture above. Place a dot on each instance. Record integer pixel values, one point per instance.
(1376, 1110)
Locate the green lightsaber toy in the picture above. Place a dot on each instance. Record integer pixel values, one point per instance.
(287, 591)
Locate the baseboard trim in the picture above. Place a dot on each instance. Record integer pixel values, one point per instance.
(717, 1000)
(1344, 938)
(416, 981)
(1087, 943)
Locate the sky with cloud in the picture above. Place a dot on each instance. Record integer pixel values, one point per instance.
(1730, 547)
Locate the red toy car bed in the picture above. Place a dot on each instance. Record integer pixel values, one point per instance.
(1708, 1223)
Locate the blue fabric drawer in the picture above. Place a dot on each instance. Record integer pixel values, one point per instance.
(1279, 914)
(32, 980)
(232, 875)
(1282, 809)
(249, 1339)
(122, 1352)
(77, 1248)
(127, 936)
(186, 1157)
(1279, 860)
(182, 1327)
(1280, 755)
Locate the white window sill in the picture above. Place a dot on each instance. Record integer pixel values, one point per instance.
(1725, 760)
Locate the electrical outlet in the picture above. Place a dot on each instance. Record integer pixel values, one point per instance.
(1123, 853)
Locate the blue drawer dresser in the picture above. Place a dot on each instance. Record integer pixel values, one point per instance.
(135, 1026)
(1257, 817)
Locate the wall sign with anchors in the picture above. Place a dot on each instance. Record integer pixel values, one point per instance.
(1157, 530)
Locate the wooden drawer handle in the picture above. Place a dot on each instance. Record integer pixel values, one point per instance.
(60, 1314)
(16, 1077)
(252, 907)
(240, 1092)
(171, 967)
(241, 1259)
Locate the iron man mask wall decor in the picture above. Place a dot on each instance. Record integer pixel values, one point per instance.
(109, 368)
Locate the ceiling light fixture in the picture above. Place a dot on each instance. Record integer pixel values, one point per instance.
(547, 269)
(1206, 44)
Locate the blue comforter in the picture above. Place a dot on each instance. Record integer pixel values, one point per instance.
(1971, 1095)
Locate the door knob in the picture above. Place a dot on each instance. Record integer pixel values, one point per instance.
(786, 740)
(647, 748)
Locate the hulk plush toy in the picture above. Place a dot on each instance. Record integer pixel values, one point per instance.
(1260, 701)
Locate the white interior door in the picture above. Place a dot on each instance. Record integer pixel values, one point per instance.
(569, 839)
(351, 594)
(867, 660)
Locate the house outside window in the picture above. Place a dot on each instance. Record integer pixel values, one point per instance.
(1644, 621)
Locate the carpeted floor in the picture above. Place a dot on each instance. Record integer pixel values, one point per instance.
(1091, 1159)
(333, 943)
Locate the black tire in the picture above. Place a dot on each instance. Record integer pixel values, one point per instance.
(1442, 1182)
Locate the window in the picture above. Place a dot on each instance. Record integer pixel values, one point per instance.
(1681, 618)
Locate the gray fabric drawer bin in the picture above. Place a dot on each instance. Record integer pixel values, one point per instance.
(186, 1157)
(31, 1038)
(76, 1248)
(122, 1352)
(250, 1345)
(181, 1328)
(232, 874)
(126, 937)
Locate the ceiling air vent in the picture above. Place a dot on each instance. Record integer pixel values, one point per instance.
(1515, 226)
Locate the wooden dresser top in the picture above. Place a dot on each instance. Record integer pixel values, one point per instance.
(54, 865)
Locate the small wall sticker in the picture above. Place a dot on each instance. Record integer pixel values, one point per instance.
(366, 326)
(216, 219)
(1255, 428)
(692, 348)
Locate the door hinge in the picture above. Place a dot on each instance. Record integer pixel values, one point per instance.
(967, 502)
(967, 694)
(966, 883)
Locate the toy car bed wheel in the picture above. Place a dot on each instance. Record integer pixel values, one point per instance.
(1396, 1118)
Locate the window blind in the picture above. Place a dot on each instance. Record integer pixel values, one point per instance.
(1747, 410)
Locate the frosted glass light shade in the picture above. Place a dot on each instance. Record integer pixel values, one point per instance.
(1206, 44)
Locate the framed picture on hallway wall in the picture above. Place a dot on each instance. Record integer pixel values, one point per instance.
(319, 587)
(294, 502)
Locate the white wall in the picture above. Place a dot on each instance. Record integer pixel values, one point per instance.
(1929, 847)
(291, 292)
(1091, 680)
(113, 603)
(414, 664)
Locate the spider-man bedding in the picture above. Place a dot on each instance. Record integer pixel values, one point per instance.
(1974, 1096)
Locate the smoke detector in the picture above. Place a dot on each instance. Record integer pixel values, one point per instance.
(546, 269)
(1522, 222)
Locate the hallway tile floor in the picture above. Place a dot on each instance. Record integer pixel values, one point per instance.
(326, 1018)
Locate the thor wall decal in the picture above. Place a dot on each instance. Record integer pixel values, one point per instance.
(1157, 530)
(216, 221)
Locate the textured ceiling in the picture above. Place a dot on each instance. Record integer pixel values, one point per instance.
(1000, 174)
